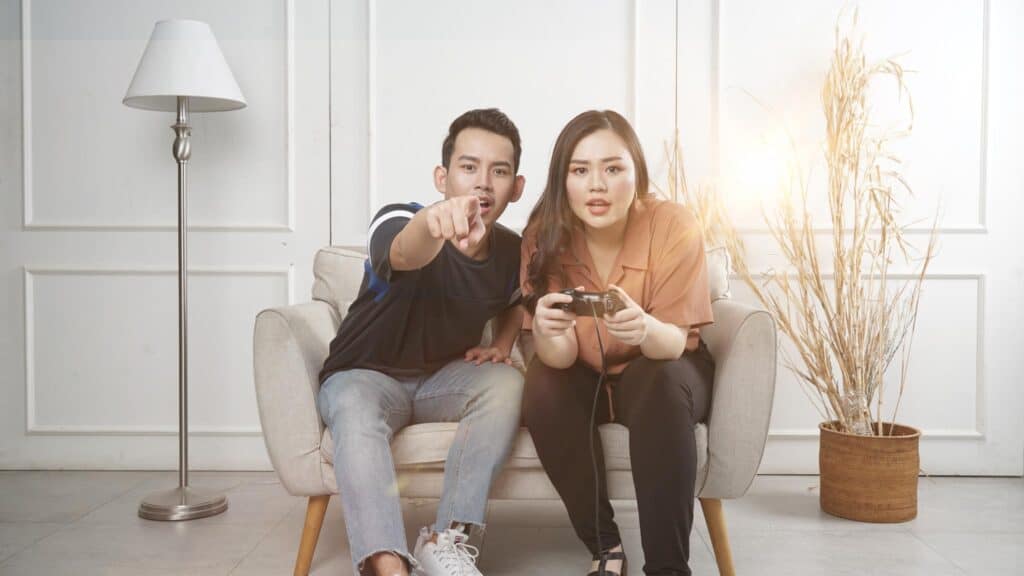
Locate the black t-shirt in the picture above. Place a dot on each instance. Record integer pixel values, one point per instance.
(410, 323)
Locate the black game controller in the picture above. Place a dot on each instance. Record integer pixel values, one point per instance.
(591, 303)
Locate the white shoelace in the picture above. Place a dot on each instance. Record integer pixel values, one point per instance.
(456, 556)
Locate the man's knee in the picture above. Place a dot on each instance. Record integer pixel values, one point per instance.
(353, 405)
(502, 385)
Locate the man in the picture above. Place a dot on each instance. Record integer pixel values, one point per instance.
(408, 352)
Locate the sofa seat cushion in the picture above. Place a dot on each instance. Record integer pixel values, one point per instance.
(425, 446)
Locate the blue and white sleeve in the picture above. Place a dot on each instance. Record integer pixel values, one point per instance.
(386, 224)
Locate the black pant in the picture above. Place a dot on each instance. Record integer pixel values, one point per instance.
(660, 401)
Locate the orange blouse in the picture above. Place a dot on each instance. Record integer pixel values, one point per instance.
(661, 266)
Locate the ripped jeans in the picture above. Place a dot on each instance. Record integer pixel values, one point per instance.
(364, 409)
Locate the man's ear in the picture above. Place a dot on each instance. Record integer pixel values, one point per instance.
(441, 179)
(520, 185)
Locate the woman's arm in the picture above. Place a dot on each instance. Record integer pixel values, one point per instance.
(657, 340)
(554, 334)
(664, 341)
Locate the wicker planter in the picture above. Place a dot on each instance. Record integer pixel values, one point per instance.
(869, 478)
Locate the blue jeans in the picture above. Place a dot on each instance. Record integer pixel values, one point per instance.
(364, 409)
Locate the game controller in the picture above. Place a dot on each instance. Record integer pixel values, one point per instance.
(591, 303)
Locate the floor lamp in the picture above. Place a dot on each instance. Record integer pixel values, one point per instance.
(183, 70)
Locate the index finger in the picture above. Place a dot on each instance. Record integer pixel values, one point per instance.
(461, 223)
(622, 315)
(622, 294)
(472, 206)
(554, 298)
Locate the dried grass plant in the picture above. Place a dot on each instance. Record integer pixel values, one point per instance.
(846, 323)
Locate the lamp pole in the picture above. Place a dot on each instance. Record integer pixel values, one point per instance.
(182, 503)
(182, 152)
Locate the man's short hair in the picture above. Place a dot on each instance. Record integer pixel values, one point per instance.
(489, 119)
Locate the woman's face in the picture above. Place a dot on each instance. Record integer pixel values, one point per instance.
(601, 183)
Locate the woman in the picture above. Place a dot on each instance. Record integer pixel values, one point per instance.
(598, 228)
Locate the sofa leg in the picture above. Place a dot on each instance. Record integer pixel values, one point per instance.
(715, 519)
(315, 511)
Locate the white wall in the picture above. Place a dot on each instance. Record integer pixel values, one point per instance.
(761, 68)
(348, 104)
(402, 71)
(89, 212)
(729, 73)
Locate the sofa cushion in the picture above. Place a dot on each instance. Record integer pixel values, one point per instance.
(718, 272)
(425, 446)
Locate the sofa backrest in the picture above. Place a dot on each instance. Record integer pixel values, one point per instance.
(338, 272)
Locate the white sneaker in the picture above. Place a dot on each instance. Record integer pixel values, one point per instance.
(449, 556)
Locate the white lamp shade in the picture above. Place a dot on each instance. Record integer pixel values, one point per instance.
(183, 59)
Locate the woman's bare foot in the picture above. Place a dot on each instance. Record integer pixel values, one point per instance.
(611, 565)
(388, 564)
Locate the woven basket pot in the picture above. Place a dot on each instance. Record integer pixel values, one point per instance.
(869, 478)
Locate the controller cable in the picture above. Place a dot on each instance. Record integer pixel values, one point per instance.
(593, 452)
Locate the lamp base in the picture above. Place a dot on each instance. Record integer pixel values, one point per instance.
(182, 503)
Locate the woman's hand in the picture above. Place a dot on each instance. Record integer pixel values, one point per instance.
(630, 324)
(549, 321)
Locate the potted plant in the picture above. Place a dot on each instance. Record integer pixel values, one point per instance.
(838, 308)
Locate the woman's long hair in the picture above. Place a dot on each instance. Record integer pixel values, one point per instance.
(552, 219)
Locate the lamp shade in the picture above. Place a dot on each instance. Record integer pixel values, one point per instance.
(183, 59)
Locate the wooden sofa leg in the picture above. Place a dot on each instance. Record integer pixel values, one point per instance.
(315, 511)
(715, 519)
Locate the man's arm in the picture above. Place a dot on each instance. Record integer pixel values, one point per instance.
(422, 238)
(507, 328)
(505, 331)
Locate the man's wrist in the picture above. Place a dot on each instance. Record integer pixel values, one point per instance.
(504, 348)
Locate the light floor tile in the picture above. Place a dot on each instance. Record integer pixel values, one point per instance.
(980, 554)
(15, 537)
(84, 523)
(41, 496)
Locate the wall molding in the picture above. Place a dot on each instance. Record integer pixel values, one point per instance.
(935, 433)
(980, 390)
(32, 428)
(208, 431)
(29, 222)
(374, 202)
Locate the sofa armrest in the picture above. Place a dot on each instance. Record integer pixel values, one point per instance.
(290, 344)
(743, 343)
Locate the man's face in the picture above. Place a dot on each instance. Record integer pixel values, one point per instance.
(481, 165)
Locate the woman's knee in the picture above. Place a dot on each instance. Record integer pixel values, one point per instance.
(544, 392)
(665, 383)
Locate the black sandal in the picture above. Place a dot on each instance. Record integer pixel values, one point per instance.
(602, 571)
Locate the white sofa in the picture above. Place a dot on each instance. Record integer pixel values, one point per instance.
(291, 344)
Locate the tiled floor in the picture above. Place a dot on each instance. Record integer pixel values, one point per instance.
(85, 523)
